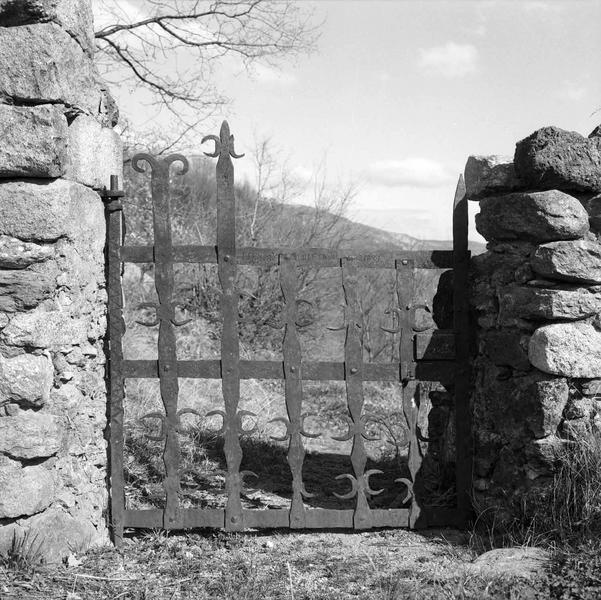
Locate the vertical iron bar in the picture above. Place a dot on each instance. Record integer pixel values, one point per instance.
(461, 326)
(405, 269)
(230, 351)
(116, 329)
(353, 375)
(167, 358)
(293, 387)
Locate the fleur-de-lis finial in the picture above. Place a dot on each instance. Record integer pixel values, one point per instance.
(224, 144)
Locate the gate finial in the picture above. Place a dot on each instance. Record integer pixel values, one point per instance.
(224, 144)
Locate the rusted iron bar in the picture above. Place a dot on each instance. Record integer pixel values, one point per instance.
(461, 316)
(116, 329)
(353, 374)
(293, 389)
(230, 351)
(316, 257)
(427, 370)
(167, 358)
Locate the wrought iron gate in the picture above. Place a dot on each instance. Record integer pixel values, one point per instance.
(446, 362)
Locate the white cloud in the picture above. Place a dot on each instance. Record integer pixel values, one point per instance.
(539, 7)
(269, 75)
(410, 172)
(451, 60)
(572, 92)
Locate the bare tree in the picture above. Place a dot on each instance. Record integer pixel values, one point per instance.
(152, 43)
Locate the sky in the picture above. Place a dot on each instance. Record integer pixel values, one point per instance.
(400, 93)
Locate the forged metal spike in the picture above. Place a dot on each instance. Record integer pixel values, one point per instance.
(217, 141)
(395, 328)
(302, 426)
(156, 317)
(182, 322)
(282, 438)
(305, 493)
(413, 309)
(185, 411)
(349, 434)
(181, 158)
(409, 485)
(353, 491)
(222, 415)
(142, 156)
(420, 436)
(231, 149)
(246, 413)
(155, 415)
(367, 475)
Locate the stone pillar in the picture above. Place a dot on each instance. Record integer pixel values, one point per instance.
(58, 150)
(537, 297)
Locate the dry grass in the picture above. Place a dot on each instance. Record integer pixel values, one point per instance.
(378, 565)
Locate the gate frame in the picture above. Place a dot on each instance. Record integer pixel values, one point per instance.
(408, 371)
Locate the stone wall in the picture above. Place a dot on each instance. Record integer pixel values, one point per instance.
(58, 150)
(537, 298)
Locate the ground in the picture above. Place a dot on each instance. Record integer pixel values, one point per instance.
(375, 565)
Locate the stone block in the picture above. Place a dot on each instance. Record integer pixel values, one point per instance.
(59, 534)
(94, 153)
(568, 349)
(53, 330)
(552, 158)
(20, 290)
(537, 216)
(16, 254)
(508, 348)
(44, 64)
(577, 261)
(74, 16)
(30, 435)
(34, 141)
(24, 490)
(25, 379)
(490, 175)
(537, 303)
(45, 211)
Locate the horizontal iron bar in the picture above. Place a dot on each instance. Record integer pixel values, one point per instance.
(316, 518)
(268, 257)
(443, 371)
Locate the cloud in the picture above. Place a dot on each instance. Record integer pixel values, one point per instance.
(451, 60)
(572, 92)
(269, 75)
(410, 172)
(539, 7)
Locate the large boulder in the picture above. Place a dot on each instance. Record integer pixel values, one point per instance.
(490, 175)
(536, 216)
(75, 16)
(16, 254)
(537, 303)
(552, 158)
(20, 290)
(24, 490)
(87, 141)
(26, 380)
(568, 349)
(53, 330)
(44, 64)
(34, 141)
(577, 261)
(45, 211)
(30, 435)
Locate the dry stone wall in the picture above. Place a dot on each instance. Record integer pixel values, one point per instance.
(58, 152)
(537, 299)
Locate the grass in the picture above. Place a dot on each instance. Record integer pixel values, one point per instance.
(376, 565)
